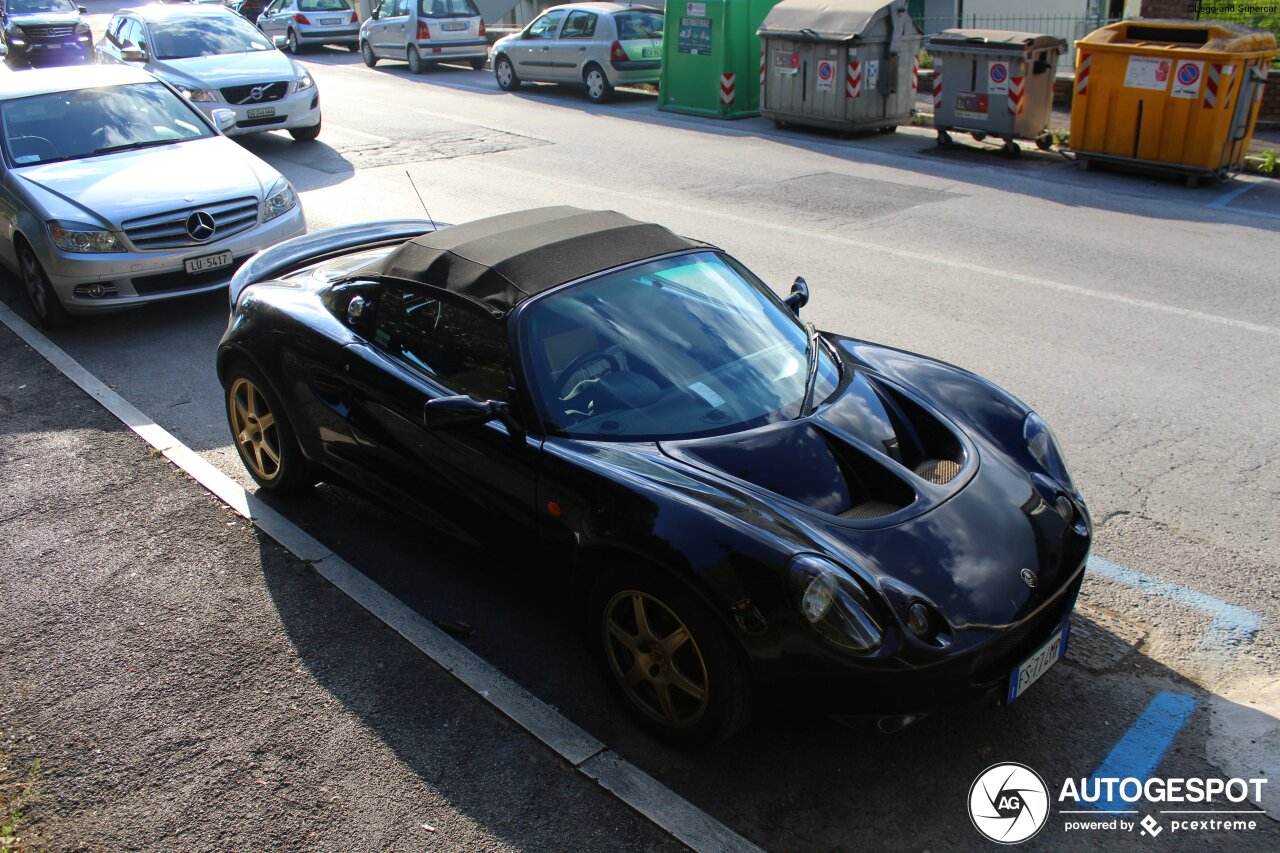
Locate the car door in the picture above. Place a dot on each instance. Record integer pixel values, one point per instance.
(108, 47)
(533, 52)
(393, 30)
(569, 51)
(269, 20)
(477, 480)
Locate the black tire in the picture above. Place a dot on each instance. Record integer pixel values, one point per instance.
(978, 135)
(478, 64)
(1044, 141)
(294, 45)
(45, 304)
(353, 47)
(416, 65)
(505, 73)
(1011, 148)
(306, 134)
(944, 139)
(889, 128)
(596, 85)
(706, 659)
(366, 53)
(244, 395)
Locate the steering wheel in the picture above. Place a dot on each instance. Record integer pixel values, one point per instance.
(582, 361)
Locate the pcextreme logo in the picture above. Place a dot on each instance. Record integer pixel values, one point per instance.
(1009, 803)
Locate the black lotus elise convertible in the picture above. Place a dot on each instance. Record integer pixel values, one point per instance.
(745, 506)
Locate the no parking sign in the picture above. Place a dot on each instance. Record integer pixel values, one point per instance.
(1186, 80)
(826, 75)
(997, 78)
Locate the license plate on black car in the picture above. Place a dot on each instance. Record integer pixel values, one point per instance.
(1041, 661)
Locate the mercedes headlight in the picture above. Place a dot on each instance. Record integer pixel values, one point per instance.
(834, 604)
(200, 95)
(15, 37)
(83, 33)
(83, 239)
(1044, 449)
(304, 79)
(280, 200)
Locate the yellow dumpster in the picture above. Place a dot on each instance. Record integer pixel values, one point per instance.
(1179, 96)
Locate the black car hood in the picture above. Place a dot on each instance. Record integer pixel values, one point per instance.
(44, 19)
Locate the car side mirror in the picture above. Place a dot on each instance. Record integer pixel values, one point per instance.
(377, 12)
(280, 42)
(132, 53)
(799, 296)
(224, 120)
(460, 410)
(83, 10)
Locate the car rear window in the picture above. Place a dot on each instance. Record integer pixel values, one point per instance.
(447, 9)
(638, 25)
(323, 6)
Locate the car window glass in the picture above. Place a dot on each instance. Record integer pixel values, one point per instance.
(113, 30)
(579, 25)
(546, 26)
(133, 34)
(28, 7)
(182, 38)
(458, 346)
(447, 9)
(400, 7)
(323, 6)
(638, 25)
(87, 122)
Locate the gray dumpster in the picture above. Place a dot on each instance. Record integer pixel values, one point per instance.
(843, 64)
(994, 83)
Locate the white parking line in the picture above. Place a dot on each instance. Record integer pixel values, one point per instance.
(593, 759)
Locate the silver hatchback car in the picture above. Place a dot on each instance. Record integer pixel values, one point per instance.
(599, 45)
(423, 32)
(311, 22)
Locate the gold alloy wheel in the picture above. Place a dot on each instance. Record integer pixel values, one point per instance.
(254, 428)
(655, 658)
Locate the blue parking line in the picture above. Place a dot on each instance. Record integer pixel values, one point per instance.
(1139, 752)
(1231, 626)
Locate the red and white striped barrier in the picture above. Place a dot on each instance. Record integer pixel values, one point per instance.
(915, 73)
(1211, 86)
(1017, 87)
(937, 89)
(853, 81)
(762, 74)
(1082, 74)
(727, 86)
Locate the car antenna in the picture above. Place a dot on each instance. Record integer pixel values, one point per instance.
(420, 201)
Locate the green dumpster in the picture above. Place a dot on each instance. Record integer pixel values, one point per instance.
(711, 59)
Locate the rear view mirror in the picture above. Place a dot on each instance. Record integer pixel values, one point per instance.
(83, 10)
(224, 120)
(446, 412)
(131, 53)
(799, 296)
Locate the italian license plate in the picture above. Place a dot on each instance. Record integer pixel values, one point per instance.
(650, 52)
(1030, 670)
(453, 26)
(204, 263)
(329, 22)
(262, 112)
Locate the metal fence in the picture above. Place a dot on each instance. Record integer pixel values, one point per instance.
(1068, 27)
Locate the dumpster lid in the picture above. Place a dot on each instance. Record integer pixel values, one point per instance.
(1180, 34)
(832, 20)
(1011, 39)
(503, 260)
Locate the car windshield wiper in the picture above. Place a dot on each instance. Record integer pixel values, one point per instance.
(133, 146)
(811, 371)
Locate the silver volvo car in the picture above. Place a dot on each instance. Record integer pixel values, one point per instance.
(116, 191)
(218, 60)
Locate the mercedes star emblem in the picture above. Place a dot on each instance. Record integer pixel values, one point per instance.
(1029, 578)
(200, 226)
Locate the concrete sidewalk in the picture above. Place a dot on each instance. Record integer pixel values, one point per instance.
(186, 684)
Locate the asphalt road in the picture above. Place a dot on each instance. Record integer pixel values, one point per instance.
(1139, 317)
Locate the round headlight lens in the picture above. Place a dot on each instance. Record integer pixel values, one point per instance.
(834, 603)
(817, 599)
(918, 619)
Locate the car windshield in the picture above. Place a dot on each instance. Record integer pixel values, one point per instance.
(447, 9)
(31, 7)
(638, 25)
(205, 35)
(671, 348)
(323, 6)
(85, 122)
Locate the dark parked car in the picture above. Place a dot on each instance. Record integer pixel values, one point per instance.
(46, 32)
(743, 506)
(248, 9)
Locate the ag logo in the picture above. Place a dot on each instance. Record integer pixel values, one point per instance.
(1008, 803)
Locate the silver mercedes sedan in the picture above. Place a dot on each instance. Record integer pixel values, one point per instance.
(218, 60)
(116, 191)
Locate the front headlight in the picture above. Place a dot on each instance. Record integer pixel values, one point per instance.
(280, 200)
(82, 31)
(83, 239)
(304, 79)
(834, 604)
(200, 95)
(15, 37)
(1044, 449)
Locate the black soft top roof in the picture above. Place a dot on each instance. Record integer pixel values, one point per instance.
(501, 261)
